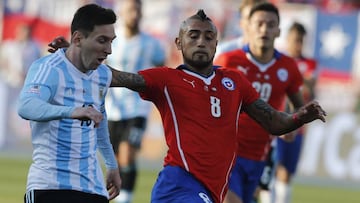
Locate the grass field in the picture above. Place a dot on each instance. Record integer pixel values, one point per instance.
(13, 173)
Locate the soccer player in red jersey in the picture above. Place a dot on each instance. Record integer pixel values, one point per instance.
(288, 153)
(200, 104)
(275, 76)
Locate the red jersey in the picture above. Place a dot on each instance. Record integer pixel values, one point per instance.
(307, 68)
(199, 116)
(273, 81)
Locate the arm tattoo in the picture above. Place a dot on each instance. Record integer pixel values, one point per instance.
(129, 80)
(264, 107)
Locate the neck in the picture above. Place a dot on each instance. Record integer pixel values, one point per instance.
(204, 71)
(131, 32)
(262, 54)
(72, 55)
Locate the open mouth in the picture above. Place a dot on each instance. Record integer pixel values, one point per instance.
(101, 60)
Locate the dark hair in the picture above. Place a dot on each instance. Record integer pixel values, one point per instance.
(298, 27)
(245, 3)
(265, 6)
(90, 15)
(200, 15)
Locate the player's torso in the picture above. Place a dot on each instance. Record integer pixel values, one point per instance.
(130, 55)
(200, 117)
(271, 81)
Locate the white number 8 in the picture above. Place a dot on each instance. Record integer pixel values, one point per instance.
(215, 106)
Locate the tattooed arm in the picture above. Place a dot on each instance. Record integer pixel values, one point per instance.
(131, 81)
(278, 123)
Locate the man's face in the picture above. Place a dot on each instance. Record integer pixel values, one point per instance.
(131, 13)
(263, 29)
(96, 47)
(198, 43)
(294, 43)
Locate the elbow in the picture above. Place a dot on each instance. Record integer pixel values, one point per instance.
(27, 109)
(21, 109)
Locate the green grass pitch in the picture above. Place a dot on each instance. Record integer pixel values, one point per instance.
(13, 172)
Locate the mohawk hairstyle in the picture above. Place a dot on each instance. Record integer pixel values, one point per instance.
(202, 15)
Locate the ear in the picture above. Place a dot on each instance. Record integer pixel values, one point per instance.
(76, 38)
(178, 43)
(278, 32)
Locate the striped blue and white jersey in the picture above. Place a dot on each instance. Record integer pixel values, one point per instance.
(65, 149)
(132, 55)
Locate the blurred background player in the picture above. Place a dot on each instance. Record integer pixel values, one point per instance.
(239, 42)
(133, 50)
(274, 76)
(288, 152)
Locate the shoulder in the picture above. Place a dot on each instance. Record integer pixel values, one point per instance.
(230, 45)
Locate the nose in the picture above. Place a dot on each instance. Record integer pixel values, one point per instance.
(108, 49)
(201, 41)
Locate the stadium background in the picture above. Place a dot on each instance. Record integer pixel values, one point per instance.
(331, 153)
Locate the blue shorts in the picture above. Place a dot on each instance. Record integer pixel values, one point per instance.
(245, 178)
(176, 185)
(288, 153)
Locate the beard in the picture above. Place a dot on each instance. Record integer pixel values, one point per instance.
(198, 62)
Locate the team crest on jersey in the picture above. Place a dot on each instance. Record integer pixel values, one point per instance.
(69, 92)
(228, 83)
(282, 74)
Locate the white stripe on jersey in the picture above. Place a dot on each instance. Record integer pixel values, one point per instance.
(176, 129)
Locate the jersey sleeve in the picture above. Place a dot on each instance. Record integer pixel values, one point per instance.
(155, 79)
(296, 78)
(39, 88)
(249, 93)
(222, 60)
(104, 144)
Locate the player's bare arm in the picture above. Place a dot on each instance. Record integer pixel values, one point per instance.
(278, 123)
(132, 81)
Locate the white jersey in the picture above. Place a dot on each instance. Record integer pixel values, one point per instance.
(132, 55)
(65, 149)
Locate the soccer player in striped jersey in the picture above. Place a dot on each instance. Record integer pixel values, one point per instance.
(288, 152)
(64, 98)
(275, 76)
(133, 50)
(200, 104)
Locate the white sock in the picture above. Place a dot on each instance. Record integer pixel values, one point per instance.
(125, 196)
(264, 196)
(282, 192)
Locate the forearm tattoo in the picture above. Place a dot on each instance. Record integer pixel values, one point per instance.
(130, 80)
(265, 108)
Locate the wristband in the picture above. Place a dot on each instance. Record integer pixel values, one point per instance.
(296, 119)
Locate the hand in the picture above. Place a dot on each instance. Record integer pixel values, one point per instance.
(57, 43)
(113, 183)
(87, 113)
(311, 111)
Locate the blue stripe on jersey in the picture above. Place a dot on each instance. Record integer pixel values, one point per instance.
(63, 176)
(85, 137)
